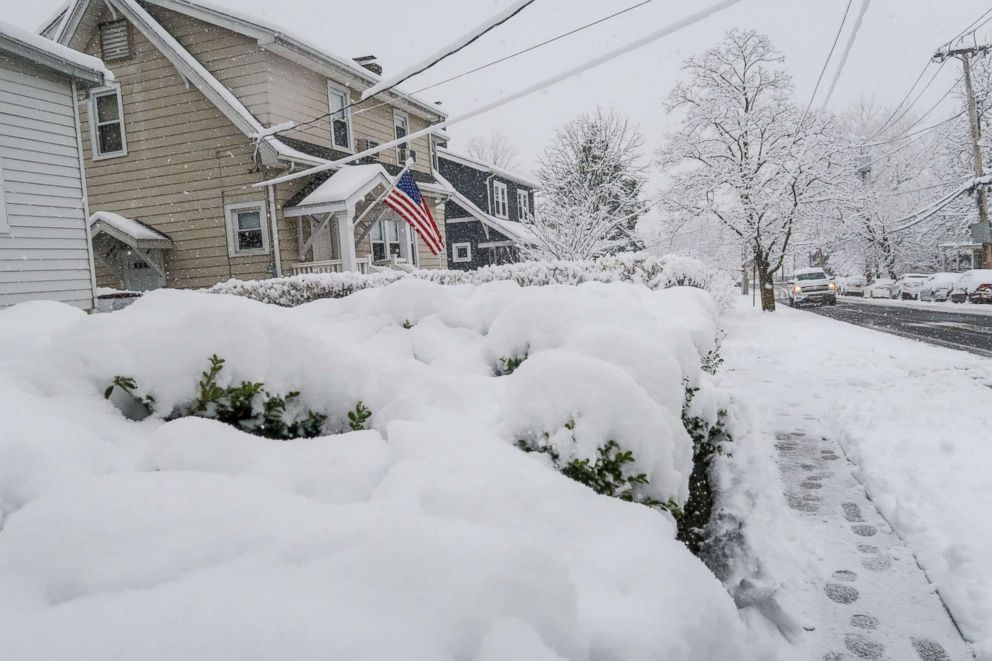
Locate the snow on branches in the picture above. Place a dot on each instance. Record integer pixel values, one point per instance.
(591, 177)
(745, 154)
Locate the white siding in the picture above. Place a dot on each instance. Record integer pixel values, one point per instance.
(44, 252)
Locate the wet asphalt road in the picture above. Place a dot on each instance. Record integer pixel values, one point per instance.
(966, 332)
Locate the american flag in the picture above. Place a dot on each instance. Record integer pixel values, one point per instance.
(406, 200)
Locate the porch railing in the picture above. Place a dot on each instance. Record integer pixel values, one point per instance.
(326, 266)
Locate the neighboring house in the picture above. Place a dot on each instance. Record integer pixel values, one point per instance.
(487, 214)
(44, 247)
(175, 147)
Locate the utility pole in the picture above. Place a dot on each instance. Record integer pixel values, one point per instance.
(965, 55)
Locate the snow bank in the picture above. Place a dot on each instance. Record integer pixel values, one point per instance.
(428, 536)
(640, 268)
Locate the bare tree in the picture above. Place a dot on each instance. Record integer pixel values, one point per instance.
(591, 182)
(746, 154)
(495, 149)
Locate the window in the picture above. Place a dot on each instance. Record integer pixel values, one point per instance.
(246, 233)
(115, 41)
(107, 122)
(385, 240)
(433, 149)
(500, 200)
(340, 118)
(401, 126)
(461, 252)
(523, 205)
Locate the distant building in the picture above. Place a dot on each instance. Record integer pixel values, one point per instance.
(44, 243)
(487, 215)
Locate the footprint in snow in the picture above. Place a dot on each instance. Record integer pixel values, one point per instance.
(852, 513)
(929, 650)
(842, 594)
(864, 531)
(866, 622)
(845, 576)
(863, 647)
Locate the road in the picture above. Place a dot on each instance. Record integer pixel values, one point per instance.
(966, 332)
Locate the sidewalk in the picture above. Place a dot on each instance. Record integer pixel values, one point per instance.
(863, 482)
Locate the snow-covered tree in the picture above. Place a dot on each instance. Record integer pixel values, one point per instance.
(746, 155)
(495, 149)
(592, 176)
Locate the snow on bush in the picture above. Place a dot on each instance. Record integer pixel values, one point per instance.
(429, 535)
(640, 268)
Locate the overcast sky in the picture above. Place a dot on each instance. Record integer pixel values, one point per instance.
(896, 40)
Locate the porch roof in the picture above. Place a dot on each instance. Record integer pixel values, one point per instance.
(342, 190)
(128, 231)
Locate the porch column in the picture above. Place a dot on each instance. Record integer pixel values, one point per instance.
(403, 229)
(346, 240)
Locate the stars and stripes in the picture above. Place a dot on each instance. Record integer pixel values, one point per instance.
(406, 200)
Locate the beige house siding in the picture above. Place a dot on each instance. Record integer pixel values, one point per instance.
(185, 162)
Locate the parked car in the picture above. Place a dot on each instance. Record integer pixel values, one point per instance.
(812, 286)
(974, 286)
(881, 288)
(909, 284)
(937, 287)
(852, 285)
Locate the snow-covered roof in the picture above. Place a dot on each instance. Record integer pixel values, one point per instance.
(278, 39)
(40, 50)
(127, 230)
(478, 164)
(343, 189)
(512, 230)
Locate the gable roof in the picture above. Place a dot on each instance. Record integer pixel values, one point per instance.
(88, 70)
(128, 231)
(274, 39)
(343, 189)
(515, 231)
(472, 162)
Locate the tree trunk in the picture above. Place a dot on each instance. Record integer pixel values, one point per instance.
(766, 283)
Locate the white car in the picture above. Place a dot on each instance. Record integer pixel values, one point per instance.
(909, 284)
(974, 286)
(937, 288)
(852, 285)
(812, 286)
(881, 288)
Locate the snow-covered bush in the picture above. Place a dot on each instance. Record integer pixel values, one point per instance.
(428, 536)
(639, 268)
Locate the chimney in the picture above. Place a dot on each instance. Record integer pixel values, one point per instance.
(368, 62)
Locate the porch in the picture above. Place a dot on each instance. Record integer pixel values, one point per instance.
(130, 251)
(342, 226)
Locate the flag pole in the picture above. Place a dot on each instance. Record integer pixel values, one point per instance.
(392, 185)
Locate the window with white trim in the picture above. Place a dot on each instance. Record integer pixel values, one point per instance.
(246, 231)
(523, 205)
(385, 240)
(107, 123)
(501, 200)
(4, 225)
(401, 129)
(337, 99)
(461, 252)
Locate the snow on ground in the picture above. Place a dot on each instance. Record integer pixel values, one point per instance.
(427, 536)
(913, 419)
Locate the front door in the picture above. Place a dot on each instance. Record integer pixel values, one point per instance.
(139, 275)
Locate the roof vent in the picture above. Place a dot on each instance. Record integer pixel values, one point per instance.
(368, 62)
(115, 41)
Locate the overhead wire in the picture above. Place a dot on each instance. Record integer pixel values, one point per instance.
(865, 4)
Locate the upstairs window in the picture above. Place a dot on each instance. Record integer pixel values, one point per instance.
(401, 127)
(523, 205)
(115, 41)
(107, 121)
(246, 233)
(340, 118)
(501, 200)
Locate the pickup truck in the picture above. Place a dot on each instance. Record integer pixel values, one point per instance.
(812, 287)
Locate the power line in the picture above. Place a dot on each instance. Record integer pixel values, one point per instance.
(518, 53)
(970, 26)
(660, 33)
(823, 71)
(847, 51)
(910, 135)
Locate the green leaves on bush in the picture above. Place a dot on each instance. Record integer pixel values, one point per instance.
(358, 417)
(509, 365)
(247, 406)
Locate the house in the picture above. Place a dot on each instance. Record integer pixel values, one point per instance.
(487, 213)
(206, 107)
(44, 247)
